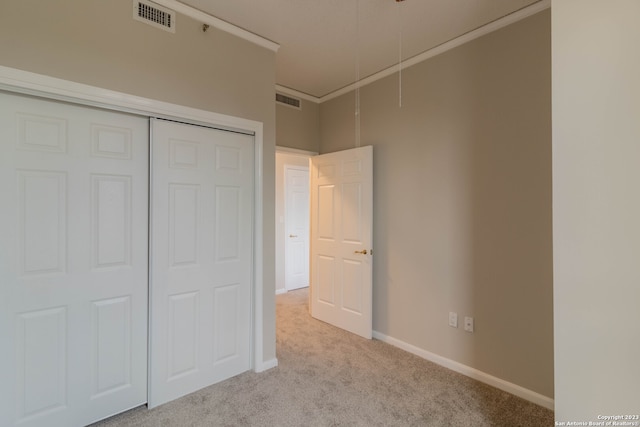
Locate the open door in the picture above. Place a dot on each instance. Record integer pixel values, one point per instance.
(341, 239)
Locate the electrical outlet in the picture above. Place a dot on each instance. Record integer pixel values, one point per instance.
(468, 324)
(453, 319)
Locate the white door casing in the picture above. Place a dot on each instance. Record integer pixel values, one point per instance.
(297, 227)
(73, 262)
(201, 257)
(341, 239)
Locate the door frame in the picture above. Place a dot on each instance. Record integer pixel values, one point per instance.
(280, 210)
(287, 220)
(23, 82)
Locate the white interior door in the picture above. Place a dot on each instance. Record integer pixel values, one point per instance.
(297, 227)
(341, 238)
(73, 262)
(201, 257)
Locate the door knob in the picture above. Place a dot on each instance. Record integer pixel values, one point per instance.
(363, 252)
(293, 235)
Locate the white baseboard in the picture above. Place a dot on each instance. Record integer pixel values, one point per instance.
(514, 389)
(281, 291)
(266, 365)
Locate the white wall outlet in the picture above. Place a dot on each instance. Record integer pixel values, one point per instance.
(468, 324)
(453, 319)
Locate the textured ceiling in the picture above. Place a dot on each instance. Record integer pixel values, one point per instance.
(320, 40)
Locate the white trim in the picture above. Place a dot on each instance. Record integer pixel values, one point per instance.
(514, 389)
(281, 291)
(63, 90)
(451, 44)
(150, 277)
(24, 82)
(292, 92)
(296, 151)
(218, 23)
(268, 364)
(258, 313)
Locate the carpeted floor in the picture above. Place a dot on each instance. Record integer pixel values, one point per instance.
(328, 377)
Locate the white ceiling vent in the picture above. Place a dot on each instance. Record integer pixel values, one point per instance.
(288, 101)
(155, 15)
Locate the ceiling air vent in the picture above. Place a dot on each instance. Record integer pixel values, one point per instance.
(155, 15)
(288, 101)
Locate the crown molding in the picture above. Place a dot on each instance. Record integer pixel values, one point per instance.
(268, 44)
(451, 44)
(218, 23)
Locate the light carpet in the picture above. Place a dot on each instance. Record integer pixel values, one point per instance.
(329, 377)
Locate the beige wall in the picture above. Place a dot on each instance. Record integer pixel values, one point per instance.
(462, 201)
(298, 129)
(100, 44)
(596, 207)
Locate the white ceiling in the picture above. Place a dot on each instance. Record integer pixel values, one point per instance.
(318, 38)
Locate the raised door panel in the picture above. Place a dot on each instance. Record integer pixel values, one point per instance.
(183, 335)
(183, 154)
(227, 218)
(326, 280)
(226, 301)
(183, 224)
(111, 217)
(228, 159)
(112, 347)
(111, 142)
(42, 221)
(352, 213)
(41, 133)
(326, 213)
(41, 363)
(297, 259)
(353, 289)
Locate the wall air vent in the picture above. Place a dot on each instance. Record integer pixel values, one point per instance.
(288, 101)
(155, 15)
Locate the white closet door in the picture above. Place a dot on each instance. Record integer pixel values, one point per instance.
(73, 262)
(201, 243)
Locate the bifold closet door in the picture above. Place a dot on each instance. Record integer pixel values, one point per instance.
(201, 257)
(73, 262)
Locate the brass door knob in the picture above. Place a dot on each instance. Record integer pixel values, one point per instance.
(293, 235)
(363, 252)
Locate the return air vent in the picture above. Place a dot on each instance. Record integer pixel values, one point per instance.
(155, 15)
(288, 101)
